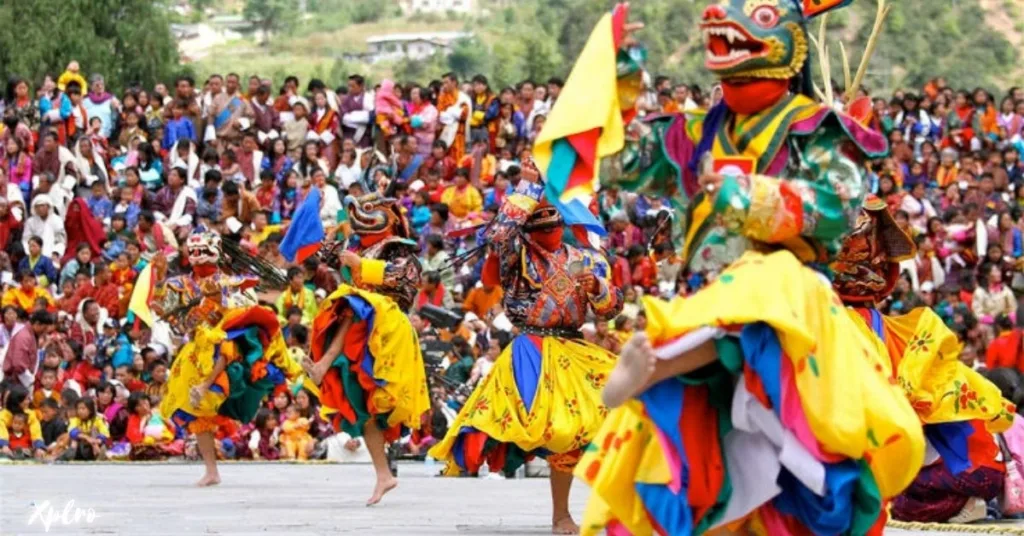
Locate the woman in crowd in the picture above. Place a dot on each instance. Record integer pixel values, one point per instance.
(277, 160)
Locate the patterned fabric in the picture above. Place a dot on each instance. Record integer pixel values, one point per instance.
(804, 194)
(542, 397)
(401, 272)
(937, 495)
(540, 285)
(867, 267)
(215, 294)
(380, 373)
(258, 360)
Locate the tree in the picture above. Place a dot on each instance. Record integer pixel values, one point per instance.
(127, 41)
(271, 16)
(469, 57)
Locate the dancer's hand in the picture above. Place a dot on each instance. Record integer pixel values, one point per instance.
(711, 183)
(629, 28)
(349, 259)
(588, 282)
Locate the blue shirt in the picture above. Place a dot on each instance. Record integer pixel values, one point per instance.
(177, 129)
(101, 207)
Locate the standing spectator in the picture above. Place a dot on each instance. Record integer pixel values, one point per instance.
(230, 113)
(99, 103)
(22, 353)
(423, 120)
(355, 110)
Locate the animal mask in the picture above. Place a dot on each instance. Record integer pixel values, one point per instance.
(374, 217)
(203, 248)
(759, 39)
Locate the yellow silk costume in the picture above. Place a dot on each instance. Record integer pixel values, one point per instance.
(851, 406)
(924, 354)
(398, 386)
(258, 359)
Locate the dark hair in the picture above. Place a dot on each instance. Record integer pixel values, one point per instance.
(432, 277)
(293, 310)
(45, 318)
(90, 404)
(36, 240)
(147, 216)
(134, 399)
(555, 81)
(294, 271)
(358, 79)
(436, 241)
(301, 334)
(15, 396)
(1009, 382)
(260, 421)
(51, 403)
(229, 188)
(450, 76)
(68, 397)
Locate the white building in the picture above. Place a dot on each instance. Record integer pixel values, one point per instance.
(436, 6)
(416, 46)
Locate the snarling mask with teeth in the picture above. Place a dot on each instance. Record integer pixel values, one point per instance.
(374, 217)
(747, 39)
(203, 248)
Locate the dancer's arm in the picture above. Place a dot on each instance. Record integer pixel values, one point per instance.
(818, 202)
(504, 234)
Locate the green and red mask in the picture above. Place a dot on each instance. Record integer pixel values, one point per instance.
(756, 47)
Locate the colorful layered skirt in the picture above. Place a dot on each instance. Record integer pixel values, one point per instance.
(959, 408)
(541, 398)
(798, 427)
(258, 361)
(379, 374)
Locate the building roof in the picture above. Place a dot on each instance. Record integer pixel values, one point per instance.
(433, 37)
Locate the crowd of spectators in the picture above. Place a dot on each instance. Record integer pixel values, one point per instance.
(93, 185)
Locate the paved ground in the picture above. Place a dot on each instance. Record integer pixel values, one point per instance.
(134, 499)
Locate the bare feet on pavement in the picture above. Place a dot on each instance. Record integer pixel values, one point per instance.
(565, 525)
(632, 371)
(208, 480)
(382, 487)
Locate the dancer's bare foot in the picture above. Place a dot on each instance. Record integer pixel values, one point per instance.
(382, 487)
(634, 367)
(316, 371)
(208, 480)
(564, 525)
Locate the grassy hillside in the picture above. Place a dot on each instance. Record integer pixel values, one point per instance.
(970, 42)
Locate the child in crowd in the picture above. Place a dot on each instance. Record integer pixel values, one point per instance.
(178, 127)
(19, 446)
(48, 387)
(263, 440)
(295, 438)
(87, 433)
(17, 403)
(51, 422)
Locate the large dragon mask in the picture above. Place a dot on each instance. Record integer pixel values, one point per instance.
(375, 217)
(760, 39)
